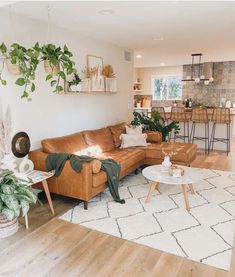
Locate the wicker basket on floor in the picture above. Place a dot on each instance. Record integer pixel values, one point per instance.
(8, 228)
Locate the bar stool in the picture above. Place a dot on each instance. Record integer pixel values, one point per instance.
(162, 113)
(221, 116)
(178, 114)
(200, 116)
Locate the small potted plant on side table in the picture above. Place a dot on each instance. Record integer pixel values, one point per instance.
(15, 196)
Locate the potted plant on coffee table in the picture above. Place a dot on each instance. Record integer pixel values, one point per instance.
(57, 64)
(15, 197)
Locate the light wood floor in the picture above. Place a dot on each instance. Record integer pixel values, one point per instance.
(52, 247)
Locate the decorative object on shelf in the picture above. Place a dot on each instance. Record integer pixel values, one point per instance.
(16, 196)
(137, 86)
(200, 72)
(97, 79)
(13, 69)
(8, 160)
(74, 85)
(155, 123)
(110, 79)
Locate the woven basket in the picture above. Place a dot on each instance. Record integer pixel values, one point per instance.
(13, 69)
(8, 228)
(51, 68)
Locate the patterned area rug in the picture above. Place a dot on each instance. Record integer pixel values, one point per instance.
(204, 234)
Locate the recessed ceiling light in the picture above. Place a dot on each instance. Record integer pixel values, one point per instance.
(162, 64)
(138, 56)
(106, 12)
(158, 38)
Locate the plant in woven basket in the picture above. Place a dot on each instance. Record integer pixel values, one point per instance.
(60, 58)
(108, 71)
(15, 195)
(155, 123)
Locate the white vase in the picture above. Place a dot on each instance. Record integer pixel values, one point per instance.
(166, 164)
(110, 84)
(8, 162)
(73, 88)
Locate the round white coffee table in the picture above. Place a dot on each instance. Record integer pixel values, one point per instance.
(156, 176)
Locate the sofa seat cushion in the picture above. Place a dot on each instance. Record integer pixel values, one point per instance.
(126, 158)
(116, 131)
(66, 144)
(101, 138)
(185, 151)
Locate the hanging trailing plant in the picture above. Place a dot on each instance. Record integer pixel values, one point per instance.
(27, 59)
(60, 62)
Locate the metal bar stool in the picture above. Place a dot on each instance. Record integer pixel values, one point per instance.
(200, 116)
(178, 114)
(162, 113)
(221, 116)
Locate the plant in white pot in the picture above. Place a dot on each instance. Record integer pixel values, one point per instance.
(15, 197)
(74, 85)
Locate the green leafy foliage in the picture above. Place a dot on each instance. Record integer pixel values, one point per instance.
(28, 59)
(57, 55)
(155, 123)
(15, 195)
(76, 80)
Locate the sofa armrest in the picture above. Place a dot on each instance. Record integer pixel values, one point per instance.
(69, 183)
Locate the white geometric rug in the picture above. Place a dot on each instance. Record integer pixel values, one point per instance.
(204, 234)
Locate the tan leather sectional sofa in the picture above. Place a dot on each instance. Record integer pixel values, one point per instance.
(87, 184)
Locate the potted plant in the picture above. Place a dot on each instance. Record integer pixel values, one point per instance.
(74, 84)
(155, 123)
(57, 64)
(110, 79)
(27, 60)
(15, 197)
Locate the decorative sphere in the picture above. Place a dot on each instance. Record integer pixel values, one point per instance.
(197, 80)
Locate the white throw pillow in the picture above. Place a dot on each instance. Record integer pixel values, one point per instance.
(133, 140)
(134, 130)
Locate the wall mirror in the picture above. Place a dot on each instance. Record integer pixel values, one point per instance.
(20, 144)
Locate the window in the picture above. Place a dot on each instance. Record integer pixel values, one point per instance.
(166, 88)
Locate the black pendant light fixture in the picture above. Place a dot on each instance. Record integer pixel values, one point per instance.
(199, 76)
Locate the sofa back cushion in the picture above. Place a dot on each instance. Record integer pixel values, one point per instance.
(116, 131)
(67, 144)
(101, 137)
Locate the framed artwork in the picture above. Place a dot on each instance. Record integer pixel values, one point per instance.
(94, 62)
(97, 79)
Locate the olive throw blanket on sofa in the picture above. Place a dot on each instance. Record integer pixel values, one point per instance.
(56, 161)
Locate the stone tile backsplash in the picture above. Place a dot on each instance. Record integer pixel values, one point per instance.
(222, 87)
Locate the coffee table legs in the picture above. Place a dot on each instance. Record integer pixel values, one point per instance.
(185, 193)
(153, 186)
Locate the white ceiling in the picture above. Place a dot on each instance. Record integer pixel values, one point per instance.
(186, 27)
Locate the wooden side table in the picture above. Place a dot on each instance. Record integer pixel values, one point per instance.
(41, 176)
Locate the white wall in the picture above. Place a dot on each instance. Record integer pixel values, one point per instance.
(49, 114)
